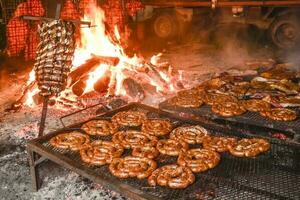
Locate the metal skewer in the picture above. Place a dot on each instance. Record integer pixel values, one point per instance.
(46, 98)
(44, 116)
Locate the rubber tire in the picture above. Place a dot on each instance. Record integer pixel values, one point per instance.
(279, 21)
(165, 26)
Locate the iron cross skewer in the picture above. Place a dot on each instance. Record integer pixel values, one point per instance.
(46, 98)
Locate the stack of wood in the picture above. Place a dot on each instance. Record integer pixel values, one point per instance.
(77, 78)
(137, 84)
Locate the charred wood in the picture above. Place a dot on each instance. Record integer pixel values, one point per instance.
(102, 84)
(79, 87)
(133, 89)
(90, 64)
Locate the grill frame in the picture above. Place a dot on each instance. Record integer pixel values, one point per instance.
(211, 181)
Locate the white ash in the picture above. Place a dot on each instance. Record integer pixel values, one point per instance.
(73, 186)
(16, 130)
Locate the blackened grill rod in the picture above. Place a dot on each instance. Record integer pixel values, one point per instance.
(44, 116)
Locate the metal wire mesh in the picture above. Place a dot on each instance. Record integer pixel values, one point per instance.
(249, 118)
(273, 175)
(21, 35)
(17, 32)
(8, 8)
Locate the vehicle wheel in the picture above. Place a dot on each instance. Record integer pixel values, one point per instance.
(284, 32)
(165, 26)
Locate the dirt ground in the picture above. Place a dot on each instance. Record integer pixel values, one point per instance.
(16, 128)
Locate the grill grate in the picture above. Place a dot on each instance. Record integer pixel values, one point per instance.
(249, 118)
(273, 175)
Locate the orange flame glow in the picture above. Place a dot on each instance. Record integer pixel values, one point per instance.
(29, 97)
(31, 77)
(95, 41)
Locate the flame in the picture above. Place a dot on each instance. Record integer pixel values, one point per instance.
(93, 77)
(29, 97)
(96, 41)
(31, 77)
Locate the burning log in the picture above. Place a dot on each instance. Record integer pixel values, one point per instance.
(148, 88)
(156, 76)
(81, 70)
(112, 85)
(102, 84)
(90, 64)
(133, 89)
(79, 87)
(144, 79)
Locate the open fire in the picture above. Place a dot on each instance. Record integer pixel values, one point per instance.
(100, 66)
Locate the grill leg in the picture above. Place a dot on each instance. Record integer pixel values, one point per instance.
(33, 170)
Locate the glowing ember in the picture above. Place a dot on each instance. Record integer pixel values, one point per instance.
(95, 42)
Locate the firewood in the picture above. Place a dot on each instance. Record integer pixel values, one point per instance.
(133, 89)
(75, 75)
(91, 64)
(111, 61)
(148, 88)
(102, 84)
(156, 76)
(79, 87)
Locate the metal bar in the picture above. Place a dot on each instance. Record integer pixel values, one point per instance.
(43, 117)
(33, 170)
(58, 9)
(39, 161)
(51, 19)
(86, 172)
(223, 3)
(79, 111)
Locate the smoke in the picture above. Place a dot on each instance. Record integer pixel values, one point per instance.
(233, 52)
(237, 44)
(293, 58)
